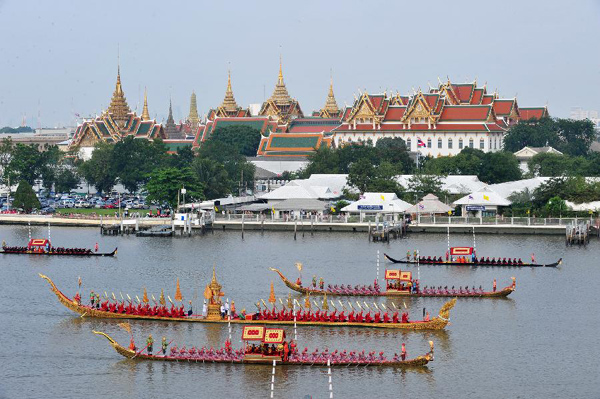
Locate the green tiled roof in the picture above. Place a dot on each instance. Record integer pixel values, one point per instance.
(258, 125)
(103, 128)
(144, 128)
(294, 142)
(289, 153)
(264, 145)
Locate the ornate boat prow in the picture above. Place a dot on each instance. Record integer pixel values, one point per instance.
(120, 349)
(288, 283)
(445, 310)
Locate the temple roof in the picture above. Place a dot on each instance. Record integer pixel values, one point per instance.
(229, 103)
(331, 108)
(193, 118)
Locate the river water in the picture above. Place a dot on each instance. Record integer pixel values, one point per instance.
(541, 342)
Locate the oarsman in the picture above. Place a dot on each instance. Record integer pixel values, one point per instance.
(92, 298)
(494, 285)
(96, 247)
(164, 346)
(321, 283)
(149, 343)
(532, 258)
(403, 352)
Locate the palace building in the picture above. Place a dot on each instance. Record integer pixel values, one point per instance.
(439, 122)
(116, 123)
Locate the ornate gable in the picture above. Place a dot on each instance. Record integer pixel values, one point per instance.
(364, 111)
(419, 111)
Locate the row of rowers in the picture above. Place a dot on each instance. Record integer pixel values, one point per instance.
(145, 309)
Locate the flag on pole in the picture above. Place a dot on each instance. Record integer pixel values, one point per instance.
(420, 142)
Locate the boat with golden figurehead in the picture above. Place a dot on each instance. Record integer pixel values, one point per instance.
(399, 283)
(287, 315)
(265, 345)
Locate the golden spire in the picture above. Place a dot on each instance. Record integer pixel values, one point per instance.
(118, 104)
(280, 94)
(193, 118)
(331, 108)
(229, 103)
(145, 113)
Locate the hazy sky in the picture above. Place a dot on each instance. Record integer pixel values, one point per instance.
(60, 57)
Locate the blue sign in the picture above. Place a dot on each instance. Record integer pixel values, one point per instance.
(475, 207)
(370, 207)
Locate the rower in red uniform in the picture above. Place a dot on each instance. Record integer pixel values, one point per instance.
(403, 352)
(494, 285)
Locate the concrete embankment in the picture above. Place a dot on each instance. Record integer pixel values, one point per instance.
(268, 225)
(75, 222)
(364, 227)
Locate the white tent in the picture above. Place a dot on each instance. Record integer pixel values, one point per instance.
(483, 202)
(377, 202)
(429, 204)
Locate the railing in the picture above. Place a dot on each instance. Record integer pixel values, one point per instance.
(499, 220)
(389, 219)
(307, 219)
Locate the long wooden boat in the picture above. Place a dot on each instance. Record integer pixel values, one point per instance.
(436, 323)
(245, 356)
(464, 256)
(43, 247)
(57, 252)
(398, 289)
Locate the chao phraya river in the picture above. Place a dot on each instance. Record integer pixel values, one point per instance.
(541, 342)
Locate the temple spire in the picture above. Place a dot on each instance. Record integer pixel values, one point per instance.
(145, 113)
(193, 118)
(118, 104)
(280, 94)
(170, 120)
(229, 103)
(331, 108)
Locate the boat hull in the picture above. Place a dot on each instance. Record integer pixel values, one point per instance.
(444, 263)
(486, 294)
(419, 361)
(101, 254)
(436, 323)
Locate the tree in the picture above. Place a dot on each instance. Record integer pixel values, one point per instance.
(324, 160)
(534, 133)
(25, 197)
(239, 171)
(26, 164)
(134, 159)
(66, 180)
(555, 206)
(164, 185)
(549, 164)
(499, 167)
(51, 157)
(576, 137)
(213, 176)
(243, 137)
(184, 157)
(421, 185)
(569, 136)
(98, 170)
